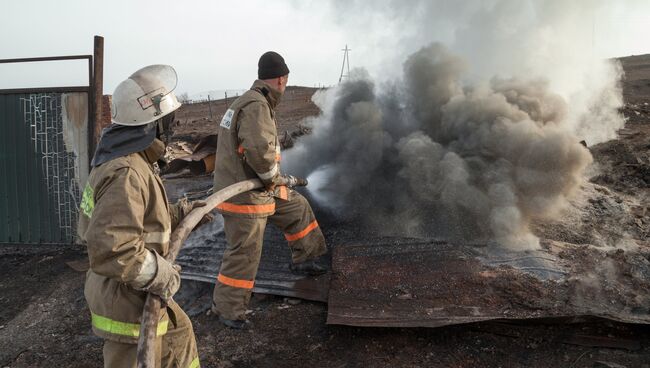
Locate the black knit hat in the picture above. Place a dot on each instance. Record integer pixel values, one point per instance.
(271, 65)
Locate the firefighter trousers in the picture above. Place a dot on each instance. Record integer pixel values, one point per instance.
(241, 259)
(177, 348)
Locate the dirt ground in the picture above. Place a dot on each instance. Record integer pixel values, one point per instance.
(45, 323)
(195, 121)
(44, 320)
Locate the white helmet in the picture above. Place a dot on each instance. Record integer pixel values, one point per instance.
(147, 95)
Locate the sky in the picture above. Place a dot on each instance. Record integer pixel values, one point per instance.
(215, 45)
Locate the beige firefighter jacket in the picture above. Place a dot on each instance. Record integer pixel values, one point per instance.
(124, 211)
(248, 148)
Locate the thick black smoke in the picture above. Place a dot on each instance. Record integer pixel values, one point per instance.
(427, 156)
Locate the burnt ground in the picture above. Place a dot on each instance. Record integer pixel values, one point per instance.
(44, 321)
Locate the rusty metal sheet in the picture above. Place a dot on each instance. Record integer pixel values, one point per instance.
(200, 257)
(396, 282)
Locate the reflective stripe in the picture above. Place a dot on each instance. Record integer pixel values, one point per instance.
(124, 328)
(195, 363)
(147, 271)
(303, 233)
(278, 157)
(157, 237)
(269, 174)
(242, 284)
(246, 208)
(284, 194)
(240, 149)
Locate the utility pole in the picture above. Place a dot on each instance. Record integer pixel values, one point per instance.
(346, 60)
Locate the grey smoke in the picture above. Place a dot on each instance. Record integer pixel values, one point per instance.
(430, 155)
(563, 42)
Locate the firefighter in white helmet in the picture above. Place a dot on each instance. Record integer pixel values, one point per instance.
(126, 221)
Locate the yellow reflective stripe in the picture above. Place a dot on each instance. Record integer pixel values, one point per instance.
(124, 328)
(157, 237)
(195, 363)
(162, 327)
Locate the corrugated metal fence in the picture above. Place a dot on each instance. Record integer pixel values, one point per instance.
(43, 151)
(46, 136)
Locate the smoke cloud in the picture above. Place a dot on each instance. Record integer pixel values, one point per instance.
(565, 43)
(427, 156)
(469, 142)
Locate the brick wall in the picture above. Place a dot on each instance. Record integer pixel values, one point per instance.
(106, 116)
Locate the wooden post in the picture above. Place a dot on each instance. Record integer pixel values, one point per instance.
(97, 91)
(209, 107)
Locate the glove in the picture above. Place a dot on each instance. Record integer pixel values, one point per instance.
(187, 207)
(167, 280)
(294, 181)
(270, 187)
(208, 217)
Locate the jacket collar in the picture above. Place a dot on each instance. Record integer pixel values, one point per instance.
(154, 152)
(271, 94)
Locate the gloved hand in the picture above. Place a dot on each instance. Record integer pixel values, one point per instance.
(270, 187)
(167, 280)
(187, 207)
(294, 181)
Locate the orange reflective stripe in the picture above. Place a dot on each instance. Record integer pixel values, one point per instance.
(242, 284)
(303, 233)
(240, 149)
(284, 194)
(246, 208)
(278, 157)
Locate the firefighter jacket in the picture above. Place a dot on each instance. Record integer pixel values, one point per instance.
(248, 148)
(124, 212)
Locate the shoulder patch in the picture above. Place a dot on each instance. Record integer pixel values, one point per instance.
(88, 201)
(226, 122)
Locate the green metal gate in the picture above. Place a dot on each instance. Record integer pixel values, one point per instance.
(39, 189)
(45, 136)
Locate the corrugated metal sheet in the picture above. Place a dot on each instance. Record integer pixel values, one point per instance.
(422, 282)
(200, 257)
(398, 282)
(39, 190)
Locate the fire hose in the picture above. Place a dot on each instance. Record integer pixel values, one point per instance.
(146, 356)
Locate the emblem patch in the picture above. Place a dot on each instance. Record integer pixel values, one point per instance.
(88, 201)
(227, 119)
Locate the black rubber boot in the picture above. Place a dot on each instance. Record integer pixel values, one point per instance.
(237, 324)
(308, 268)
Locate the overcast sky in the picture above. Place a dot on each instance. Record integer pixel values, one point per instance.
(214, 45)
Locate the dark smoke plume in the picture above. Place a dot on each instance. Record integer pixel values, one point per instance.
(429, 156)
